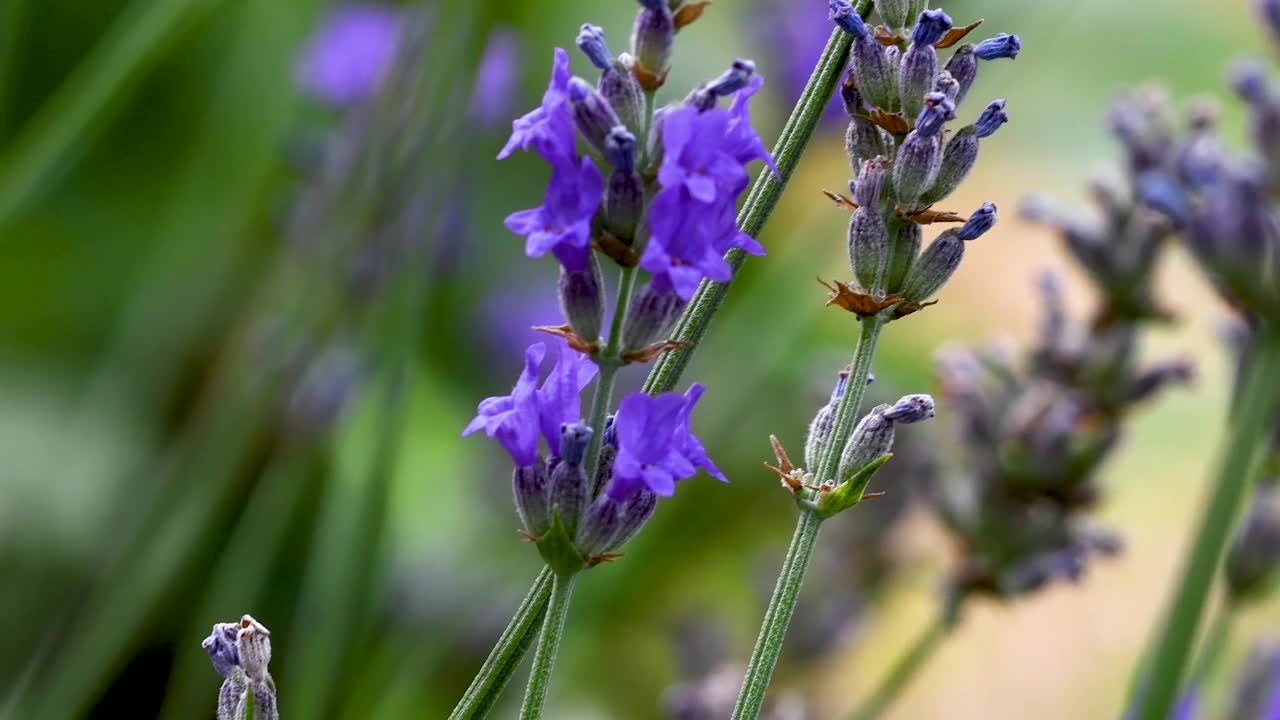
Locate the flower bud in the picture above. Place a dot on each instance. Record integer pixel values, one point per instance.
(581, 292)
(592, 114)
(823, 423)
(982, 220)
(957, 161)
(963, 67)
(650, 316)
(947, 85)
(221, 646)
(895, 13)
(635, 513)
(529, 486)
(873, 72)
(592, 44)
(846, 18)
(608, 449)
(253, 642)
(599, 526)
(872, 438)
(865, 140)
(653, 36)
(653, 144)
(1003, 45)
(569, 490)
(991, 119)
(903, 249)
(622, 91)
(919, 64)
(933, 268)
(911, 409)
(733, 79)
(920, 157)
(868, 240)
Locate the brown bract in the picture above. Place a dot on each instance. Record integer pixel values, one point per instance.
(863, 305)
(577, 343)
(615, 249)
(651, 351)
(648, 80)
(894, 123)
(928, 216)
(785, 470)
(956, 34)
(690, 12)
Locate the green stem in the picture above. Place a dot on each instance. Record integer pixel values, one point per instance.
(506, 655)
(1246, 437)
(1216, 641)
(905, 668)
(761, 201)
(851, 401)
(776, 619)
(609, 361)
(544, 659)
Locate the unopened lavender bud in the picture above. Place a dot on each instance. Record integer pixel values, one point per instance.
(895, 13)
(230, 694)
(619, 86)
(620, 148)
(1003, 45)
(264, 702)
(865, 140)
(1152, 380)
(934, 267)
(872, 438)
(903, 249)
(947, 85)
(733, 79)
(958, 159)
(592, 114)
(700, 98)
(254, 645)
(868, 239)
(581, 294)
(991, 119)
(1156, 189)
(874, 74)
(608, 450)
(911, 409)
(963, 67)
(592, 44)
(650, 316)
(982, 220)
(919, 65)
(623, 204)
(653, 143)
(920, 157)
(221, 646)
(570, 492)
(824, 423)
(1249, 79)
(635, 513)
(845, 17)
(532, 497)
(653, 35)
(599, 526)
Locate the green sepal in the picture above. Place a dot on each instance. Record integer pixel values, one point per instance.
(557, 549)
(850, 493)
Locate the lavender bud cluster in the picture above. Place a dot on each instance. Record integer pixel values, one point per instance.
(240, 653)
(900, 97)
(652, 192)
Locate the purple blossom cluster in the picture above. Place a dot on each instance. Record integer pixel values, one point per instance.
(648, 192)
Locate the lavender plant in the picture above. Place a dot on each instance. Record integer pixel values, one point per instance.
(240, 653)
(1225, 210)
(709, 294)
(899, 98)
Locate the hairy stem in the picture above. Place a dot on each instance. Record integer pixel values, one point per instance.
(851, 401)
(506, 655)
(544, 659)
(1246, 438)
(776, 619)
(609, 361)
(905, 668)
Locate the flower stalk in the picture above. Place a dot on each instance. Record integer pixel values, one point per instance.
(1239, 468)
(905, 668)
(544, 659)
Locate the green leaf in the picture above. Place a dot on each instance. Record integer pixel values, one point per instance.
(557, 549)
(850, 493)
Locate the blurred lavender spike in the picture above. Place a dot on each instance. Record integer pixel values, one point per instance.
(346, 60)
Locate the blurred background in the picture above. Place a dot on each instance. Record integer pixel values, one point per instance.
(235, 362)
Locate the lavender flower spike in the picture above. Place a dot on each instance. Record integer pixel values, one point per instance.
(345, 61)
(655, 445)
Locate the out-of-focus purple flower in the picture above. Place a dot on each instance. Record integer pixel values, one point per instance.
(691, 220)
(562, 224)
(558, 398)
(496, 77)
(347, 58)
(509, 316)
(794, 39)
(513, 419)
(548, 127)
(656, 446)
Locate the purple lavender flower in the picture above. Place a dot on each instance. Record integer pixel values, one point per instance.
(548, 127)
(558, 398)
(346, 59)
(656, 447)
(495, 78)
(514, 419)
(562, 224)
(1003, 45)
